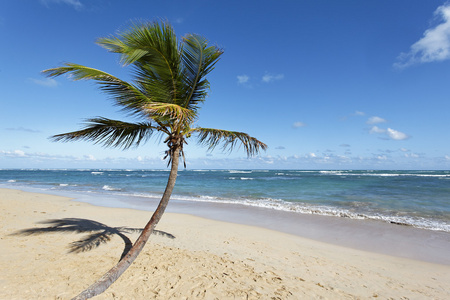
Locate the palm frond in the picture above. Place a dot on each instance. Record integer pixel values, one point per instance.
(173, 111)
(126, 95)
(152, 49)
(111, 133)
(116, 45)
(145, 39)
(229, 139)
(198, 60)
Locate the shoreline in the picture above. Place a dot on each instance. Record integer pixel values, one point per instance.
(207, 259)
(375, 236)
(367, 235)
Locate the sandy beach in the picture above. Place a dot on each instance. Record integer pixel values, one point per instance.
(206, 259)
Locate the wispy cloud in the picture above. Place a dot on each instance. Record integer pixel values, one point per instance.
(91, 157)
(375, 120)
(75, 3)
(47, 82)
(272, 77)
(179, 20)
(298, 124)
(356, 113)
(243, 79)
(433, 46)
(412, 155)
(15, 153)
(376, 129)
(47, 159)
(22, 129)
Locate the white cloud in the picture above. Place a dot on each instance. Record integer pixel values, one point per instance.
(47, 82)
(15, 153)
(447, 157)
(298, 124)
(75, 3)
(390, 133)
(412, 155)
(243, 79)
(359, 113)
(375, 120)
(433, 46)
(376, 129)
(89, 157)
(271, 77)
(396, 135)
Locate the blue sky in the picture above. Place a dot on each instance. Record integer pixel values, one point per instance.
(326, 84)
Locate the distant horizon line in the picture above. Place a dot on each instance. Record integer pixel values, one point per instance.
(210, 169)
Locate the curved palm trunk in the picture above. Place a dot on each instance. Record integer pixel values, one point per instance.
(112, 275)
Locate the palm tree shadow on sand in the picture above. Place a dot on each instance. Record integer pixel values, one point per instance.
(98, 233)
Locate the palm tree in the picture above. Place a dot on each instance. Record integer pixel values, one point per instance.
(168, 87)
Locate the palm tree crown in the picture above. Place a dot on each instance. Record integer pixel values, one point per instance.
(168, 87)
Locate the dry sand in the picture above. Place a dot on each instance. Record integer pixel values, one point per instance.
(206, 260)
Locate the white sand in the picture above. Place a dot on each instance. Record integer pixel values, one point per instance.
(207, 260)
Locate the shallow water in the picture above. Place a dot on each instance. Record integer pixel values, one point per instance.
(416, 198)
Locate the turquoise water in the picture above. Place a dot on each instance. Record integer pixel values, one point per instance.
(416, 198)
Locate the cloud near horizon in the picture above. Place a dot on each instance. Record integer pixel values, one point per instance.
(433, 46)
(15, 153)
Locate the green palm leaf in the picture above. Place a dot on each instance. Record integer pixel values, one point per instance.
(152, 49)
(126, 95)
(110, 133)
(198, 60)
(229, 139)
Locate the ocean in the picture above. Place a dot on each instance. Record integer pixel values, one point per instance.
(416, 198)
